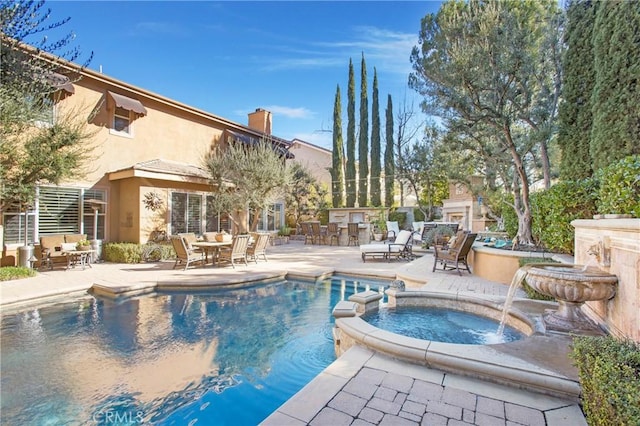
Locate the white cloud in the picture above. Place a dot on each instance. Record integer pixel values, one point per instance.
(290, 112)
(388, 50)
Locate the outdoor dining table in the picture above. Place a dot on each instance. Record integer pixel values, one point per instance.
(213, 247)
(83, 257)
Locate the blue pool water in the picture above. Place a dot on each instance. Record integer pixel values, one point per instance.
(429, 323)
(222, 357)
(226, 357)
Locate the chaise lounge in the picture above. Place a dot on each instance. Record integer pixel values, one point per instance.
(400, 248)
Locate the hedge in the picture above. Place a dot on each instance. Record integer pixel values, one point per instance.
(609, 372)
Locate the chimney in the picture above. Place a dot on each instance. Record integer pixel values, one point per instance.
(260, 120)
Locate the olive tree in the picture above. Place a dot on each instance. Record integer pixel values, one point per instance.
(247, 177)
(494, 64)
(36, 146)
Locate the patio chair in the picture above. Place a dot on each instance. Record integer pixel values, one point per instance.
(259, 246)
(183, 254)
(456, 253)
(399, 249)
(333, 231)
(190, 238)
(237, 251)
(319, 237)
(393, 229)
(353, 233)
(306, 231)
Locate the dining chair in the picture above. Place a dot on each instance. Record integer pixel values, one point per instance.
(353, 232)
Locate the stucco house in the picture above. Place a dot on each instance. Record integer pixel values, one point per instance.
(146, 170)
(316, 159)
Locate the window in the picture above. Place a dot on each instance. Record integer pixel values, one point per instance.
(89, 214)
(14, 228)
(216, 221)
(186, 213)
(272, 218)
(122, 121)
(59, 210)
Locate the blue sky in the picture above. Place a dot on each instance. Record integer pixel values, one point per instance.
(229, 58)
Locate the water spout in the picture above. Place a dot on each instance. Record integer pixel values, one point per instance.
(517, 280)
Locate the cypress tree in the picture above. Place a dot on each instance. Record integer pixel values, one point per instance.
(615, 107)
(389, 165)
(375, 144)
(337, 171)
(350, 173)
(363, 145)
(575, 109)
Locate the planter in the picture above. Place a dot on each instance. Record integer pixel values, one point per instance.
(223, 238)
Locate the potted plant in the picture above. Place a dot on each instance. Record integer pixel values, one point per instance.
(380, 228)
(83, 245)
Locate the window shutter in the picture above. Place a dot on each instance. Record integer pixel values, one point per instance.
(59, 211)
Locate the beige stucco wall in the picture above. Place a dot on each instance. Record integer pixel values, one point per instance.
(165, 132)
(316, 159)
(617, 242)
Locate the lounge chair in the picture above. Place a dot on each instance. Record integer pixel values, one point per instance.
(393, 229)
(456, 253)
(183, 254)
(237, 251)
(400, 248)
(333, 232)
(417, 228)
(259, 246)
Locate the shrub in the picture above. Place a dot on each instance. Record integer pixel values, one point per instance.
(418, 215)
(123, 252)
(15, 273)
(400, 217)
(553, 210)
(136, 253)
(619, 191)
(510, 219)
(432, 234)
(609, 372)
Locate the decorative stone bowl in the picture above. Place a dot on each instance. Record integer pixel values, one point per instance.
(571, 286)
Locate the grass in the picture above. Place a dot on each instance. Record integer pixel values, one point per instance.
(16, 272)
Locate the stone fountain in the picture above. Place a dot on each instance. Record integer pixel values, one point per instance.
(571, 286)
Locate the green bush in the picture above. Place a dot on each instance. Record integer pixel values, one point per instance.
(553, 210)
(619, 191)
(531, 292)
(510, 219)
(136, 253)
(609, 372)
(15, 273)
(400, 217)
(123, 252)
(439, 231)
(418, 215)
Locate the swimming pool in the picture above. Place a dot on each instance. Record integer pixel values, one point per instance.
(221, 357)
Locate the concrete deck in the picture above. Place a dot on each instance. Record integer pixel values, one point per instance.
(361, 387)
